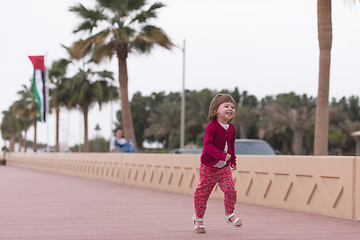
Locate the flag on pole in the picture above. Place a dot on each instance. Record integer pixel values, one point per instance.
(39, 85)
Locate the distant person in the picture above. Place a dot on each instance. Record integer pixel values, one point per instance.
(120, 144)
(216, 159)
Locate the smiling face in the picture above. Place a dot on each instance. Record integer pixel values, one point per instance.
(225, 112)
(222, 99)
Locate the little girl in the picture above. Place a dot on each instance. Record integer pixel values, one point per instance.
(217, 157)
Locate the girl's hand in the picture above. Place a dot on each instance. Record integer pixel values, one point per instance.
(233, 167)
(227, 158)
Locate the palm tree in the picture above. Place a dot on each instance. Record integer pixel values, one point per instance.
(197, 109)
(116, 27)
(247, 115)
(322, 109)
(322, 104)
(57, 74)
(164, 122)
(9, 127)
(27, 109)
(297, 120)
(23, 120)
(337, 140)
(245, 118)
(83, 91)
(290, 112)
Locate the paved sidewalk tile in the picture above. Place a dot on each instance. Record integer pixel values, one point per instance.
(43, 206)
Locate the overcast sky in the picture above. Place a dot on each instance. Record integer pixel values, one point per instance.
(264, 47)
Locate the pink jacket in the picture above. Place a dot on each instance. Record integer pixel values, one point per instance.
(214, 143)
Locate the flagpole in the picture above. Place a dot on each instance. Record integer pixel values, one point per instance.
(80, 131)
(39, 90)
(47, 102)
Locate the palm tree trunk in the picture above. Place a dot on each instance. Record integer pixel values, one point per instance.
(297, 141)
(171, 137)
(126, 116)
(86, 139)
(286, 147)
(35, 127)
(21, 141)
(57, 111)
(322, 103)
(242, 131)
(12, 141)
(25, 140)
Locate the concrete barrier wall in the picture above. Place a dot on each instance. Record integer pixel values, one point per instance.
(327, 185)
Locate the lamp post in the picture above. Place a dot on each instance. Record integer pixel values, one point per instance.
(97, 129)
(182, 118)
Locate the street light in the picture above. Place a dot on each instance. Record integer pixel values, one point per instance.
(182, 118)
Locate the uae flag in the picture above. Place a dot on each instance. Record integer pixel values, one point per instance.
(39, 86)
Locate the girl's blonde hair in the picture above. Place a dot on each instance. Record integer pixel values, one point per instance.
(219, 99)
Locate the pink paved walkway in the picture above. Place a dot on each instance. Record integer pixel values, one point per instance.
(44, 206)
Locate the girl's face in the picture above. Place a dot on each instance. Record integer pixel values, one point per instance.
(225, 112)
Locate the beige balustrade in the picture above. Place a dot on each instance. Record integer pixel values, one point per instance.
(327, 185)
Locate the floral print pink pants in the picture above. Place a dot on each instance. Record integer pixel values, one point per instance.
(209, 176)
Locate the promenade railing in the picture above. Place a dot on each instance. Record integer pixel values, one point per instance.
(327, 185)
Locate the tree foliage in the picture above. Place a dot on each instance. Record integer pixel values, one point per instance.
(119, 27)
